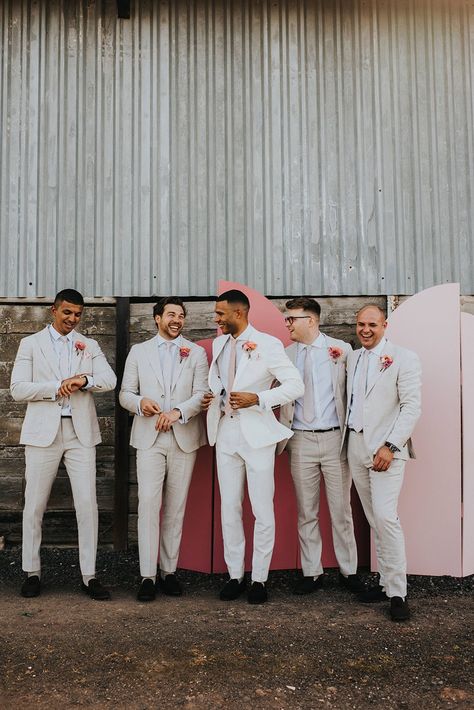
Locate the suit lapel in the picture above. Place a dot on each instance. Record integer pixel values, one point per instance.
(388, 350)
(334, 364)
(76, 355)
(350, 373)
(46, 347)
(181, 363)
(153, 355)
(245, 356)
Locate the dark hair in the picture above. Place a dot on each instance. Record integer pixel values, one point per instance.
(306, 303)
(69, 295)
(377, 308)
(159, 307)
(235, 297)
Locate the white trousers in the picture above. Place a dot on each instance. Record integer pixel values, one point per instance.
(164, 474)
(41, 469)
(237, 462)
(378, 492)
(313, 455)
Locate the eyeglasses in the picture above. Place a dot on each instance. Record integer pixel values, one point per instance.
(289, 320)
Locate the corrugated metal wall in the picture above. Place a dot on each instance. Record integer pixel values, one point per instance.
(323, 146)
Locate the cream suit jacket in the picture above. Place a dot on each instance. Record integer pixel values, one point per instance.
(143, 377)
(338, 367)
(256, 373)
(34, 380)
(392, 403)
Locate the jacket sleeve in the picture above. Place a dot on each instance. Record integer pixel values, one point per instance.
(22, 387)
(104, 377)
(409, 393)
(290, 385)
(129, 396)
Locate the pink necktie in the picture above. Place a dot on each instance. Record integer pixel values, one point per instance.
(231, 372)
(308, 401)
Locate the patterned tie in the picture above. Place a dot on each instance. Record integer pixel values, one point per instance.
(359, 395)
(231, 372)
(64, 367)
(309, 409)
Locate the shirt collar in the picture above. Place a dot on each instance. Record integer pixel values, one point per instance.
(56, 335)
(378, 348)
(245, 335)
(319, 342)
(162, 341)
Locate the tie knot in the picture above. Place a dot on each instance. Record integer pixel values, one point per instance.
(63, 339)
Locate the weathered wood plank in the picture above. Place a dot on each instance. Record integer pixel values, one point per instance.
(59, 528)
(26, 319)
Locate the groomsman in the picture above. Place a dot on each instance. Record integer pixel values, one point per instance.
(241, 422)
(56, 371)
(163, 384)
(317, 420)
(384, 404)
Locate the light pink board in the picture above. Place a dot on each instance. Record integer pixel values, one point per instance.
(430, 502)
(467, 368)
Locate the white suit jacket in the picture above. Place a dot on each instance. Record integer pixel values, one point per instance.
(256, 373)
(34, 380)
(392, 403)
(338, 366)
(143, 377)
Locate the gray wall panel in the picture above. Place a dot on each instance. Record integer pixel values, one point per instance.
(321, 146)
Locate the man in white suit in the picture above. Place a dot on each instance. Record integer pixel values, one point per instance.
(384, 404)
(163, 384)
(56, 371)
(317, 421)
(241, 422)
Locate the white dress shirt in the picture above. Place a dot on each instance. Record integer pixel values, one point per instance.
(56, 341)
(325, 414)
(373, 368)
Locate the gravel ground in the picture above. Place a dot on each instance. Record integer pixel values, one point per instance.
(62, 650)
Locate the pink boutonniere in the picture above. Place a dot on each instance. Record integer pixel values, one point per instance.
(184, 353)
(249, 347)
(385, 362)
(79, 346)
(335, 353)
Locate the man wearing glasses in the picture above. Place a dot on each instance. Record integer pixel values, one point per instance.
(317, 420)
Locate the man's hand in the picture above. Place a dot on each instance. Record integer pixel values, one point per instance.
(382, 459)
(206, 401)
(149, 407)
(167, 419)
(241, 400)
(71, 384)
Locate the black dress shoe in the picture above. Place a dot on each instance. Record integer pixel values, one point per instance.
(306, 585)
(95, 590)
(352, 583)
(232, 589)
(146, 591)
(170, 586)
(257, 593)
(399, 609)
(374, 594)
(31, 587)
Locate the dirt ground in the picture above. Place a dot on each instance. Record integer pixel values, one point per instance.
(63, 650)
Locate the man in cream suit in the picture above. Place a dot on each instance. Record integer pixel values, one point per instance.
(56, 371)
(241, 422)
(317, 421)
(163, 384)
(384, 404)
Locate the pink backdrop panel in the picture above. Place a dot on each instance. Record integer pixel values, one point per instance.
(196, 544)
(430, 502)
(467, 350)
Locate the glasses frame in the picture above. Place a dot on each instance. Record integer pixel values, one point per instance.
(289, 319)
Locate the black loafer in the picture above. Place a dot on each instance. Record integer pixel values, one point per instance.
(170, 586)
(374, 594)
(146, 591)
(257, 593)
(352, 583)
(232, 589)
(31, 587)
(95, 590)
(399, 609)
(307, 585)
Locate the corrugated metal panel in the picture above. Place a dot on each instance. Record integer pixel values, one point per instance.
(322, 147)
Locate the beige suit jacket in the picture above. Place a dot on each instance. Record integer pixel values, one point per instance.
(338, 366)
(143, 377)
(34, 380)
(392, 402)
(256, 373)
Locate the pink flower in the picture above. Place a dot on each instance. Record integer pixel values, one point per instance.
(249, 346)
(335, 353)
(184, 353)
(385, 362)
(80, 346)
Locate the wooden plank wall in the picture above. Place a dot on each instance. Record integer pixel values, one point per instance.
(16, 321)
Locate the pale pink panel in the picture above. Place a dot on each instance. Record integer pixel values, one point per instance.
(467, 352)
(430, 502)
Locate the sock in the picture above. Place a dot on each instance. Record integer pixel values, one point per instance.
(86, 578)
(35, 574)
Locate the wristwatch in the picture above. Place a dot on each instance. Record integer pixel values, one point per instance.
(394, 449)
(85, 383)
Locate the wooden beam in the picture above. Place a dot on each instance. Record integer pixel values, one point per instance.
(122, 433)
(123, 9)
